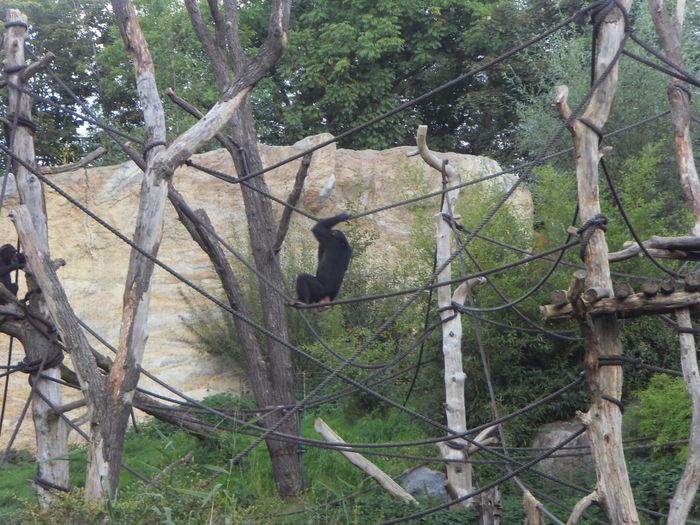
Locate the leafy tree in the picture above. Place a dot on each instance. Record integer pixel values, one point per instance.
(351, 61)
(73, 32)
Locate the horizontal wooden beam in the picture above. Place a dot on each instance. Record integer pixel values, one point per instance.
(633, 306)
(684, 248)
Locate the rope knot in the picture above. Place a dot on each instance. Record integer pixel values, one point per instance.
(587, 229)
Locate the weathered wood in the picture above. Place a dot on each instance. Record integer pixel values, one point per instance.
(533, 512)
(683, 248)
(292, 200)
(111, 416)
(603, 421)
(222, 45)
(633, 306)
(364, 464)
(29, 187)
(577, 285)
(35, 67)
(459, 475)
(650, 288)
(57, 303)
(594, 294)
(670, 33)
(622, 290)
(488, 505)
(667, 285)
(581, 506)
(51, 434)
(69, 406)
(690, 480)
(559, 297)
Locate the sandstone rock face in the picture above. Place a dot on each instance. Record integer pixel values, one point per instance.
(97, 260)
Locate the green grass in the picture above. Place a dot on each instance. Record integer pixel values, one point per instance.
(245, 493)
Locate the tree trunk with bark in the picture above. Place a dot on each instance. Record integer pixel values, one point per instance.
(268, 363)
(51, 432)
(670, 33)
(603, 421)
(459, 474)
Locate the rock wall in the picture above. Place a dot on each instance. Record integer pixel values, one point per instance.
(97, 260)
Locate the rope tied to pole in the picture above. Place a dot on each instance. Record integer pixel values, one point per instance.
(587, 229)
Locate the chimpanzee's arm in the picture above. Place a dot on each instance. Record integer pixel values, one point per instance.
(322, 229)
(5, 269)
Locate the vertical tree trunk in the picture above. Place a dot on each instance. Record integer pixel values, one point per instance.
(670, 33)
(262, 229)
(687, 487)
(603, 421)
(488, 504)
(459, 475)
(266, 360)
(51, 432)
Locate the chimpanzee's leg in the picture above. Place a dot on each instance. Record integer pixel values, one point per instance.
(309, 288)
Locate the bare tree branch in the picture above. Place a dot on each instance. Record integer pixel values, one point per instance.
(215, 52)
(87, 159)
(292, 200)
(233, 35)
(33, 68)
(581, 506)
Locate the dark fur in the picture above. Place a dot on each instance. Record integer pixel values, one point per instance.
(10, 260)
(334, 254)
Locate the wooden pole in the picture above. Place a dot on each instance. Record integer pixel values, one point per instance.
(459, 475)
(603, 421)
(51, 433)
(670, 31)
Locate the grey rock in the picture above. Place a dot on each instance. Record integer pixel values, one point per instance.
(566, 468)
(424, 483)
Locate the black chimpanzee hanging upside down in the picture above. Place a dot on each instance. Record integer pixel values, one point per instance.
(10, 260)
(334, 253)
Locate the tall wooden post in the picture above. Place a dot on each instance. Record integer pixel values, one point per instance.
(459, 474)
(51, 432)
(670, 31)
(603, 421)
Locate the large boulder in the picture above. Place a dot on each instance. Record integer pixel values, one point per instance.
(423, 482)
(576, 461)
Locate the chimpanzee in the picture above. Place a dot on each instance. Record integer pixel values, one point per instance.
(334, 253)
(10, 260)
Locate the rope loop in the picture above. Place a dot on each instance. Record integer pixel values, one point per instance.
(14, 69)
(21, 121)
(587, 229)
(16, 23)
(590, 125)
(614, 401)
(152, 145)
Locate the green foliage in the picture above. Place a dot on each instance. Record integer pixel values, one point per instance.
(213, 331)
(654, 483)
(664, 411)
(72, 31)
(348, 62)
(15, 491)
(566, 60)
(653, 202)
(180, 64)
(524, 366)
